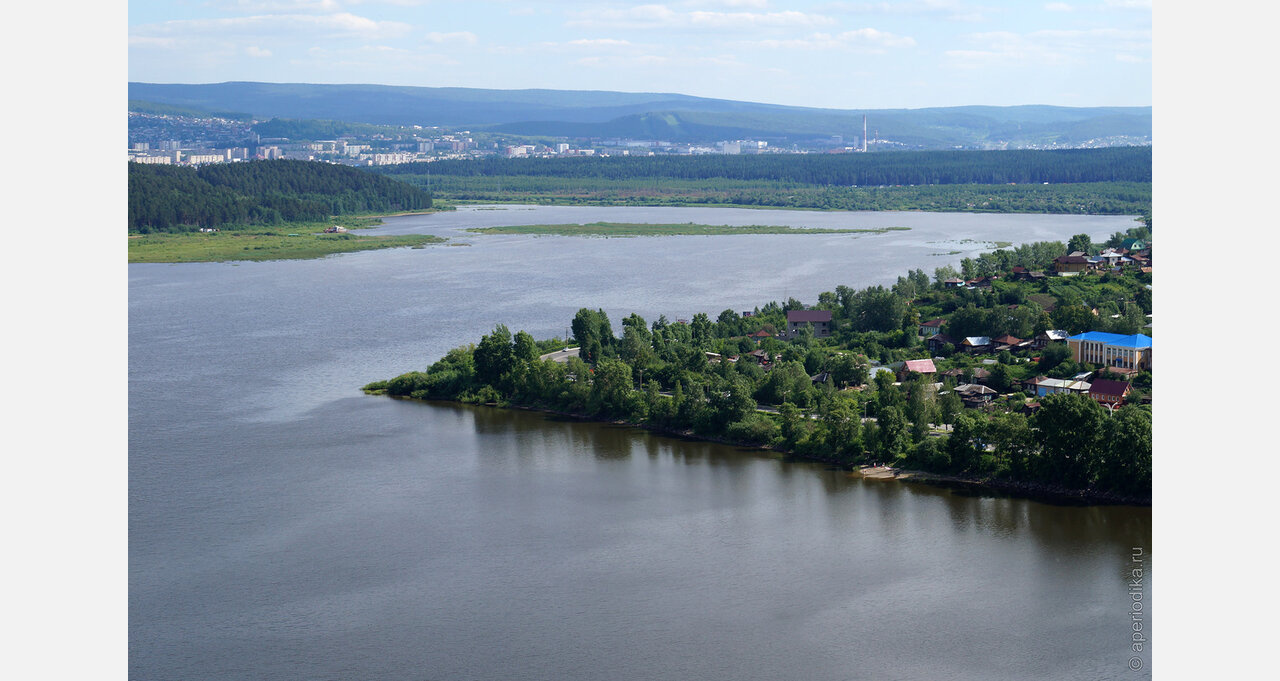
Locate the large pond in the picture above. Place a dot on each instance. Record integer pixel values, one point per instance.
(284, 526)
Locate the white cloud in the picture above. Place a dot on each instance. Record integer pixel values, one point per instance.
(455, 38)
(661, 16)
(398, 3)
(255, 51)
(598, 42)
(149, 41)
(1053, 47)
(862, 39)
(751, 20)
(275, 26)
(754, 4)
(954, 10)
(1129, 4)
(277, 6)
(1058, 7)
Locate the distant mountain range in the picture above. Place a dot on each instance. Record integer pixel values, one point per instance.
(579, 114)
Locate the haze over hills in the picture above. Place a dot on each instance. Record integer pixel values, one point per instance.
(657, 116)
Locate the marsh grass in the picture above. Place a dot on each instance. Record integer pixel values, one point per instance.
(294, 241)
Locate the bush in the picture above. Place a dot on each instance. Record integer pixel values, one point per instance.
(404, 384)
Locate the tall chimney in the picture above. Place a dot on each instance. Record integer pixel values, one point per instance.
(864, 132)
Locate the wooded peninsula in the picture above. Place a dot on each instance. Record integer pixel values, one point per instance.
(262, 210)
(981, 374)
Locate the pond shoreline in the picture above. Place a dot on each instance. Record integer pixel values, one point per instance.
(1042, 492)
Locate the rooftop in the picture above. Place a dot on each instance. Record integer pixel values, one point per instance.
(802, 316)
(1137, 340)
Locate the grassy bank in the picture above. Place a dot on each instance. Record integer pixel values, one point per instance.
(296, 241)
(631, 229)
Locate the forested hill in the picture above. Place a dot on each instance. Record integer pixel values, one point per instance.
(672, 117)
(1118, 164)
(178, 199)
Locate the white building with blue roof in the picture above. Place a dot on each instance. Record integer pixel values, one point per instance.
(1112, 349)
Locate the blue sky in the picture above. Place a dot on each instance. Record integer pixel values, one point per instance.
(832, 53)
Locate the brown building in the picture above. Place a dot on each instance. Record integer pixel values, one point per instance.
(820, 319)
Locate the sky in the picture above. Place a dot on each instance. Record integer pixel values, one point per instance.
(842, 54)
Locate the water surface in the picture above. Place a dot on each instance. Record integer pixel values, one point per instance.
(284, 526)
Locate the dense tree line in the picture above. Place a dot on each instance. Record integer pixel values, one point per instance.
(678, 376)
(1094, 198)
(177, 199)
(1115, 164)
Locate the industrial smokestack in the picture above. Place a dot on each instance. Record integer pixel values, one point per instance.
(864, 132)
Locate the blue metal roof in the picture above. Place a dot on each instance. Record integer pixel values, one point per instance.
(1137, 340)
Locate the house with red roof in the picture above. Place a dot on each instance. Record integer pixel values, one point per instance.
(920, 366)
(1108, 392)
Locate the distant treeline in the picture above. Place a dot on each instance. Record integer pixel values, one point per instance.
(179, 199)
(1093, 198)
(1117, 164)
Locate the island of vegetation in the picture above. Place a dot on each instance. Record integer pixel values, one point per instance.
(630, 229)
(1114, 181)
(1028, 370)
(262, 210)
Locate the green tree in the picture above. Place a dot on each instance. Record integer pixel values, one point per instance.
(893, 435)
(1126, 464)
(1080, 242)
(494, 356)
(610, 387)
(1074, 319)
(965, 444)
(1069, 430)
(525, 347)
(949, 406)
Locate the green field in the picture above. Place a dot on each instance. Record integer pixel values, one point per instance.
(287, 242)
(631, 229)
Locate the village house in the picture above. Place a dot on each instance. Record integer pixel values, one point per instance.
(1006, 342)
(973, 395)
(940, 344)
(974, 375)
(976, 344)
(1071, 264)
(920, 366)
(1109, 393)
(820, 319)
(1020, 273)
(1041, 386)
(931, 328)
(1049, 336)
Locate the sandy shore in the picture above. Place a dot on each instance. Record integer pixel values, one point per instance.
(884, 473)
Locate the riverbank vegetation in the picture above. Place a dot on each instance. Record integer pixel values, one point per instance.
(849, 398)
(627, 229)
(177, 199)
(295, 241)
(1113, 181)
